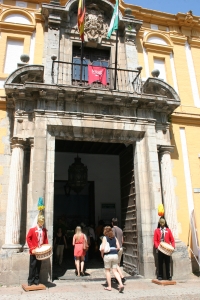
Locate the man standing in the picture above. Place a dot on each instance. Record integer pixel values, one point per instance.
(36, 237)
(118, 233)
(163, 234)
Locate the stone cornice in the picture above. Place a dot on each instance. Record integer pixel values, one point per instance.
(50, 92)
(162, 18)
(185, 119)
(158, 48)
(178, 39)
(17, 28)
(194, 42)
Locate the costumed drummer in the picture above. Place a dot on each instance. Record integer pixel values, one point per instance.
(36, 237)
(163, 234)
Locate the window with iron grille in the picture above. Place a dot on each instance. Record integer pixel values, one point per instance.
(91, 56)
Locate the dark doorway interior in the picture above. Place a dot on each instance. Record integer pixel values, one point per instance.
(72, 209)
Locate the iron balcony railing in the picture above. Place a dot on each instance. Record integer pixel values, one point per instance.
(66, 73)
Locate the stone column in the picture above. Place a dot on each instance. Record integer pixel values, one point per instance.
(148, 196)
(31, 142)
(168, 192)
(13, 215)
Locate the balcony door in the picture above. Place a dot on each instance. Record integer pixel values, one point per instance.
(93, 57)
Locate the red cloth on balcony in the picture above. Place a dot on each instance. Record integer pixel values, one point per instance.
(97, 74)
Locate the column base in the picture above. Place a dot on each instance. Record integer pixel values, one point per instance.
(25, 248)
(12, 247)
(181, 262)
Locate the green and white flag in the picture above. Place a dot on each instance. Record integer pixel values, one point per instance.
(114, 21)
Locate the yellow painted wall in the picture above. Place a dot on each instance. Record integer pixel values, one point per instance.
(3, 133)
(187, 115)
(182, 74)
(193, 147)
(24, 33)
(196, 60)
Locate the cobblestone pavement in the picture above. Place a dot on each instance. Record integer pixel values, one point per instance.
(142, 289)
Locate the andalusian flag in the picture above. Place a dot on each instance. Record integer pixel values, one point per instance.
(114, 21)
(81, 18)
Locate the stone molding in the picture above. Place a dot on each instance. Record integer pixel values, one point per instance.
(159, 87)
(157, 95)
(95, 134)
(28, 73)
(165, 149)
(15, 27)
(18, 143)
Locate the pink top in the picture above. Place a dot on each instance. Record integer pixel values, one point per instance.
(78, 247)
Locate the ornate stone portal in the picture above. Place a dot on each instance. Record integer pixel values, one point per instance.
(44, 111)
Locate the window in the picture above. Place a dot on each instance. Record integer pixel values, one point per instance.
(156, 40)
(17, 18)
(14, 50)
(95, 57)
(159, 64)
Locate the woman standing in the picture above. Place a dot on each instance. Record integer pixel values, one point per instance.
(79, 240)
(59, 244)
(111, 258)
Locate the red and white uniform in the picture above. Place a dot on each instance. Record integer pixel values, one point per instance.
(168, 237)
(36, 237)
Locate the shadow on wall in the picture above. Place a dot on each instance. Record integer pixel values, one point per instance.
(175, 154)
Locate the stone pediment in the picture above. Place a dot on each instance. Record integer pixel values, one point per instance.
(155, 86)
(28, 73)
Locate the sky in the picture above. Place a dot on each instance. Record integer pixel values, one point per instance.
(169, 6)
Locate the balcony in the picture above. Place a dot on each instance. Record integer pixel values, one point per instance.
(96, 77)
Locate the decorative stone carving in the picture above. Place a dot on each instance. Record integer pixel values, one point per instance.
(95, 26)
(28, 73)
(31, 76)
(25, 58)
(189, 18)
(130, 33)
(158, 87)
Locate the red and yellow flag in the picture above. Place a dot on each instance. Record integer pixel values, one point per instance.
(81, 18)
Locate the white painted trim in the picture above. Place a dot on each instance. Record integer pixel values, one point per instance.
(146, 62)
(2, 83)
(156, 40)
(188, 181)
(32, 49)
(193, 80)
(174, 72)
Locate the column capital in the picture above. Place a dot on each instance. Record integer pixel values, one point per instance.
(18, 142)
(165, 149)
(31, 142)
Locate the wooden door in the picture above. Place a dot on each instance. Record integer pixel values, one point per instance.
(128, 212)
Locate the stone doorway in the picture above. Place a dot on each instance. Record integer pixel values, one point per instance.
(101, 196)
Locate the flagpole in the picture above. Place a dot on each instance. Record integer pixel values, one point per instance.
(81, 70)
(116, 53)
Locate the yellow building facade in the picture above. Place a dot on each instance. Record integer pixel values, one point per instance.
(165, 42)
(171, 43)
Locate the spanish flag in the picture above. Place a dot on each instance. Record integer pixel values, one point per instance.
(81, 18)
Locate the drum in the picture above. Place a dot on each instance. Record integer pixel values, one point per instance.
(166, 248)
(44, 252)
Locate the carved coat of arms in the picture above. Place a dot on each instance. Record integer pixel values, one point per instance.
(95, 26)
